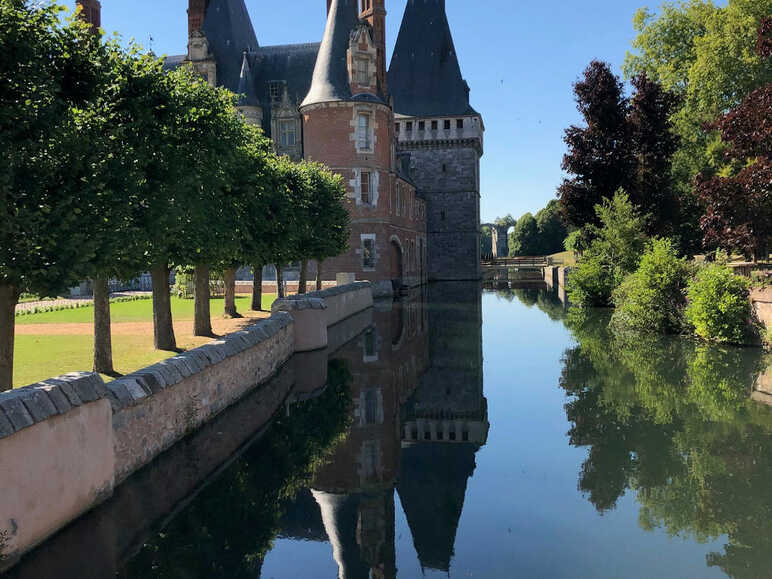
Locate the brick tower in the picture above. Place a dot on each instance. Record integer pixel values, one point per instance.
(91, 12)
(349, 125)
(444, 136)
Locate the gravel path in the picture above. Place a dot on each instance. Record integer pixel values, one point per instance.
(26, 306)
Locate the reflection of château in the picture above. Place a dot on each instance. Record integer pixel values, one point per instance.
(416, 365)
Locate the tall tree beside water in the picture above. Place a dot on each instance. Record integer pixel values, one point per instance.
(599, 155)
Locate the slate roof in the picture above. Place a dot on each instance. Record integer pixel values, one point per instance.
(228, 29)
(424, 76)
(292, 64)
(330, 79)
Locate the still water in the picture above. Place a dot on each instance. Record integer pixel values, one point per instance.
(463, 433)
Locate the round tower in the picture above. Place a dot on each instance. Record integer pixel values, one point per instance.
(349, 125)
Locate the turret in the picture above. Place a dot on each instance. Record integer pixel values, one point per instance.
(374, 13)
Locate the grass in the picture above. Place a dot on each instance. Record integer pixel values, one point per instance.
(565, 258)
(136, 311)
(41, 356)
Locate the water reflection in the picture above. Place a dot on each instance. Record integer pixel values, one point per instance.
(672, 420)
(418, 417)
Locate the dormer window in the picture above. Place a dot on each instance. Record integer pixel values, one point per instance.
(363, 72)
(275, 90)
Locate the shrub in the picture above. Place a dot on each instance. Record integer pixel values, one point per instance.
(653, 299)
(719, 308)
(613, 254)
(579, 240)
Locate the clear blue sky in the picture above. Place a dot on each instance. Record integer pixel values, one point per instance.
(519, 57)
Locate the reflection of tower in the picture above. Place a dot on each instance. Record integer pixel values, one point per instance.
(355, 491)
(446, 422)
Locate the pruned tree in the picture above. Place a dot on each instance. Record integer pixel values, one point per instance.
(328, 217)
(44, 219)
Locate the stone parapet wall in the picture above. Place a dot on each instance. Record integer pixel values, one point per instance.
(56, 458)
(157, 406)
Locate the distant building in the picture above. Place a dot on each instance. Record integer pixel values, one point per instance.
(407, 142)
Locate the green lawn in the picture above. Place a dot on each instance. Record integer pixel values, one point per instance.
(565, 258)
(136, 311)
(40, 357)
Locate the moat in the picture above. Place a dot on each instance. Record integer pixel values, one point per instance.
(463, 433)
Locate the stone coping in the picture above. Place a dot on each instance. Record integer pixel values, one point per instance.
(27, 406)
(133, 388)
(298, 304)
(333, 291)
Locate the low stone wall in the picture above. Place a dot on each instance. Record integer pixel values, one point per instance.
(762, 304)
(157, 406)
(56, 458)
(66, 442)
(316, 311)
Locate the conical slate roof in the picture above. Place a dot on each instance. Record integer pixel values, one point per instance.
(424, 75)
(330, 81)
(247, 90)
(228, 29)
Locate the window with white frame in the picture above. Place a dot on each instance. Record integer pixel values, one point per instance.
(287, 133)
(365, 187)
(275, 90)
(363, 132)
(368, 252)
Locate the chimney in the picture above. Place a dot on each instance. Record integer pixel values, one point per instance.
(374, 12)
(196, 15)
(91, 13)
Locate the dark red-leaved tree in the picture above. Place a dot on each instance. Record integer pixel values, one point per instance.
(738, 208)
(764, 43)
(599, 155)
(653, 143)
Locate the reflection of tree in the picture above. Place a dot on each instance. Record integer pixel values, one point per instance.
(230, 526)
(546, 300)
(672, 421)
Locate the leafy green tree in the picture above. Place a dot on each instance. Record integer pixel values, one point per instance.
(614, 253)
(551, 232)
(705, 54)
(327, 215)
(45, 74)
(524, 239)
(652, 299)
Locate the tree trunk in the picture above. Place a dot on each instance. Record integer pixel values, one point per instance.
(279, 282)
(762, 250)
(230, 294)
(257, 288)
(163, 328)
(202, 322)
(9, 297)
(103, 345)
(303, 281)
(319, 275)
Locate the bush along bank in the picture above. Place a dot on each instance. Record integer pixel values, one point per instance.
(654, 290)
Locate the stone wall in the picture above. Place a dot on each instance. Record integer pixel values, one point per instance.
(447, 177)
(56, 457)
(157, 406)
(762, 304)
